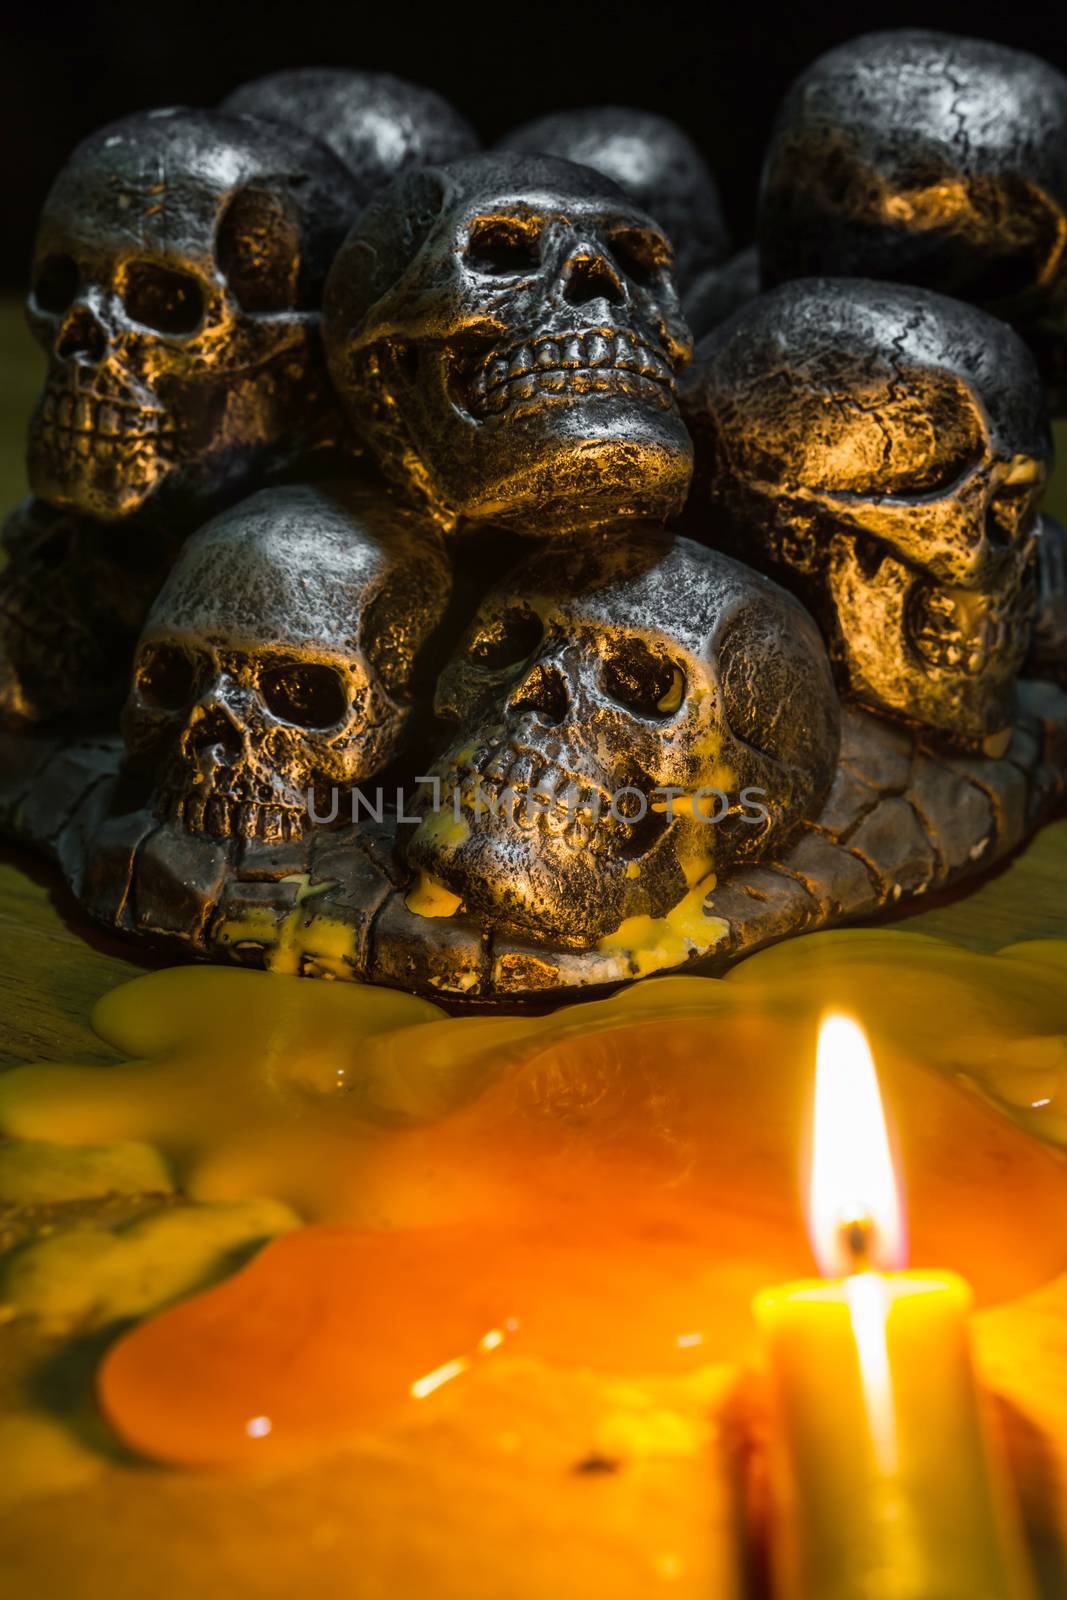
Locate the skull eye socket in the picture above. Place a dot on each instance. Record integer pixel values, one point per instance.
(502, 246)
(163, 299)
(55, 283)
(166, 677)
(640, 254)
(507, 640)
(306, 693)
(258, 251)
(646, 683)
(941, 473)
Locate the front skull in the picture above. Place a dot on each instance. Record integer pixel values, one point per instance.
(505, 333)
(175, 288)
(277, 666)
(883, 452)
(597, 677)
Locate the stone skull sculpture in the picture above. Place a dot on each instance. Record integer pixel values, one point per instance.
(928, 159)
(377, 124)
(883, 451)
(654, 161)
(175, 288)
(595, 696)
(505, 334)
(74, 595)
(279, 660)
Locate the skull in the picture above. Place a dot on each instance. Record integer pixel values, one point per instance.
(176, 282)
(505, 334)
(883, 451)
(280, 657)
(377, 124)
(931, 160)
(599, 675)
(658, 166)
(74, 595)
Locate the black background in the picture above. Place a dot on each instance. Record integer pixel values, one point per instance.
(719, 70)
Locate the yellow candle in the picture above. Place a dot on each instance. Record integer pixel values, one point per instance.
(885, 1484)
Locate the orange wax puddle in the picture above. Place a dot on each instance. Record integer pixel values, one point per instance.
(333, 1330)
(604, 1187)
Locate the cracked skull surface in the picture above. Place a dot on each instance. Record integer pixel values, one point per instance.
(883, 451)
(276, 668)
(505, 334)
(928, 159)
(175, 288)
(595, 697)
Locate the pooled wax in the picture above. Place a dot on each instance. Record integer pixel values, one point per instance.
(604, 1187)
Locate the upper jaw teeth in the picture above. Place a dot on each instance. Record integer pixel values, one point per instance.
(541, 793)
(85, 410)
(597, 359)
(230, 816)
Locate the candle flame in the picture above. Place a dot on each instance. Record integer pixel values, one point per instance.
(855, 1215)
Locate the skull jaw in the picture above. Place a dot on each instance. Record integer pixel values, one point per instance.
(524, 881)
(225, 816)
(582, 483)
(884, 670)
(255, 799)
(554, 463)
(958, 711)
(105, 480)
(206, 443)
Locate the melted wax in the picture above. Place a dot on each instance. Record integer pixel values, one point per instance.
(605, 1187)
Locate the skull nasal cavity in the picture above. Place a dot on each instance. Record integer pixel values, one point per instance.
(81, 335)
(544, 692)
(590, 277)
(215, 730)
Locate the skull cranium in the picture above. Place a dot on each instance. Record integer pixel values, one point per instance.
(377, 124)
(175, 288)
(505, 333)
(883, 451)
(927, 159)
(596, 677)
(277, 665)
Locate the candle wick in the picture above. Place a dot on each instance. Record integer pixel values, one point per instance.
(857, 1236)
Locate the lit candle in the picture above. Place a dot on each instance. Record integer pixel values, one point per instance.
(884, 1482)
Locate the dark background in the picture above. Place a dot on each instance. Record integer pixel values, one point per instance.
(66, 69)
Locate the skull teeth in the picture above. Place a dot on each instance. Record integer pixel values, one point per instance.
(604, 360)
(228, 816)
(70, 408)
(541, 795)
(958, 631)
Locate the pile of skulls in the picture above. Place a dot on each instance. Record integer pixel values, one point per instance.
(464, 630)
